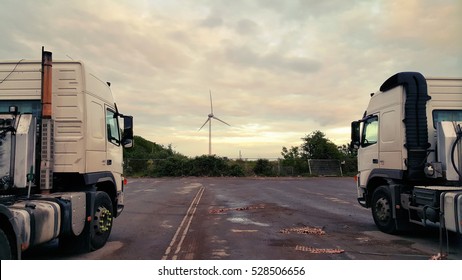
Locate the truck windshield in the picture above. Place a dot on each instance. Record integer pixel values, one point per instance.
(446, 115)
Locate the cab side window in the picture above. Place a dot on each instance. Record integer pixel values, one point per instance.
(112, 126)
(370, 131)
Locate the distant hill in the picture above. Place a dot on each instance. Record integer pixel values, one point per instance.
(145, 149)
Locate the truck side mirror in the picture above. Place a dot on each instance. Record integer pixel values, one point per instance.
(355, 135)
(127, 137)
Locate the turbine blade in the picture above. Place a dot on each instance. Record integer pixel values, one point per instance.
(208, 119)
(211, 106)
(221, 120)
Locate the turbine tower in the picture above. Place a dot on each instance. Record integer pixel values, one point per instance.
(209, 120)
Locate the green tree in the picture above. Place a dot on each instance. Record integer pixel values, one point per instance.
(347, 151)
(293, 158)
(349, 159)
(290, 154)
(317, 146)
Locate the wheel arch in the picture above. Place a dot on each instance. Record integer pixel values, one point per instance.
(109, 187)
(104, 181)
(381, 177)
(395, 188)
(372, 185)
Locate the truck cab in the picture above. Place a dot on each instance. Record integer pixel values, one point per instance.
(404, 148)
(61, 141)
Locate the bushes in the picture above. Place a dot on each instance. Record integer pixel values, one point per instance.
(174, 166)
(263, 167)
(177, 165)
(212, 166)
(150, 159)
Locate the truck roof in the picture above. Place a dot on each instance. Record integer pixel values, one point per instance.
(21, 79)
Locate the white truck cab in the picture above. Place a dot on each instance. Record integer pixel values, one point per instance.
(61, 144)
(410, 151)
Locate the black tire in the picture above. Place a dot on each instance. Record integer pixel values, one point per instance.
(382, 210)
(5, 248)
(101, 225)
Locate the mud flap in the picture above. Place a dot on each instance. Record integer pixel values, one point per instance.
(71, 243)
(400, 215)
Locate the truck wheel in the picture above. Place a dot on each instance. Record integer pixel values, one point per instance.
(102, 221)
(382, 211)
(5, 248)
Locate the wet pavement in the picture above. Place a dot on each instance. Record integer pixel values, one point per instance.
(254, 219)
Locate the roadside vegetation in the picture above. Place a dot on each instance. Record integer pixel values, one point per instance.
(149, 159)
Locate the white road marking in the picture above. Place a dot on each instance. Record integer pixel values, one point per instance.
(184, 227)
(244, 230)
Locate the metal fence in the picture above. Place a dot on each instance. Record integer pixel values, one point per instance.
(325, 167)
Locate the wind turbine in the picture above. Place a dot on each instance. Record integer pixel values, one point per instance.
(209, 120)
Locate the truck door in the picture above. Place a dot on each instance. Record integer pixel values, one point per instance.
(391, 142)
(368, 153)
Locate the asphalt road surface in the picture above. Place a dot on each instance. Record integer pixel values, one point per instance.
(253, 219)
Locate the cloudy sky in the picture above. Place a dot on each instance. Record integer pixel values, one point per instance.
(277, 70)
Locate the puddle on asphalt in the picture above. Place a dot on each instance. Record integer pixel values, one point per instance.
(245, 221)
